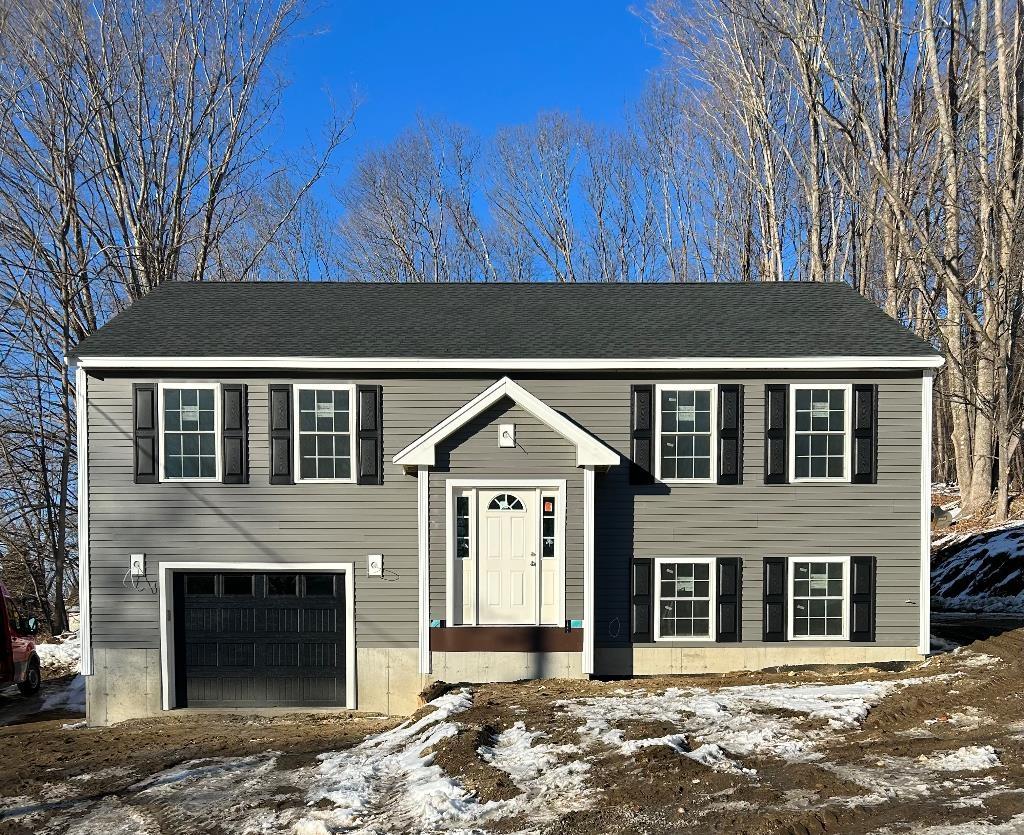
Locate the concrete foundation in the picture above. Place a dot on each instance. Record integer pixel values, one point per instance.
(125, 685)
(504, 666)
(388, 680)
(652, 661)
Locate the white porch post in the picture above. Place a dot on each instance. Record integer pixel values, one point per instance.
(589, 622)
(423, 527)
(926, 513)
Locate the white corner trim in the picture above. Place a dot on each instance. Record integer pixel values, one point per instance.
(925, 603)
(515, 363)
(423, 539)
(589, 450)
(589, 621)
(165, 574)
(84, 599)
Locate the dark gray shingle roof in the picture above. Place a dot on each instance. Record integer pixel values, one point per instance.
(488, 321)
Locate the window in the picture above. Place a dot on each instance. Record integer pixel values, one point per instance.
(818, 597)
(505, 501)
(685, 425)
(547, 527)
(282, 585)
(684, 594)
(325, 429)
(462, 550)
(201, 584)
(319, 585)
(237, 585)
(821, 428)
(188, 419)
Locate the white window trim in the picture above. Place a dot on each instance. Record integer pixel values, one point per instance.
(297, 457)
(847, 388)
(790, 575)
(710, 387)
(189, 384)
(711, 562)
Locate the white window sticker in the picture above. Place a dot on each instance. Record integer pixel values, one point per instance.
(688, 413)
(819, 409)
(190, 413)
(325, 410)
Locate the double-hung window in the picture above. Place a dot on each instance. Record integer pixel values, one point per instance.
(820, 449)
(819, 597)
(684, 592)
(325, 427)
(685, 423)
(189, 430)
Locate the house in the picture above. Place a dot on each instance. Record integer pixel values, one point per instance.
(332, 494)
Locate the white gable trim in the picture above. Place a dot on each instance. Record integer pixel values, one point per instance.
(589, 450)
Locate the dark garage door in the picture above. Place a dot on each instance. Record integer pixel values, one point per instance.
(246, 639)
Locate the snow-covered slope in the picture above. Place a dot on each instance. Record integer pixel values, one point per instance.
(981, 572)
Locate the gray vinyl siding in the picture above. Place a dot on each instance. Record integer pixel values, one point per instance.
(473, 453)
(345, 522)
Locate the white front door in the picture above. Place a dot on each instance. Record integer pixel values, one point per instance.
(508, 542)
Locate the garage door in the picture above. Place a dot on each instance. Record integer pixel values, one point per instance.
(248, 639)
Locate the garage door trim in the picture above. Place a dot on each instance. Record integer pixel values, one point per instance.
(167, 648)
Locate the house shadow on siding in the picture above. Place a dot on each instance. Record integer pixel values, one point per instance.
(617, 542)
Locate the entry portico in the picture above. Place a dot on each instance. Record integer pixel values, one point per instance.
(506, 526)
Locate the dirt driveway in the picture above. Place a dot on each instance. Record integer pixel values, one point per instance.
(938, 748)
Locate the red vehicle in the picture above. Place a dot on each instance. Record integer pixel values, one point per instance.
(19, 663)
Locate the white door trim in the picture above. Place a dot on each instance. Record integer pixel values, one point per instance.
(167, 569)
(540, 485)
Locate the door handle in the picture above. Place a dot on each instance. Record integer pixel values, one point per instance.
(533, 562)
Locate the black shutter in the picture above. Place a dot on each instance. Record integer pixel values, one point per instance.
(281, 434)
(235, 433)
(730, 434)
(641, 422)
(865, 434)
(146, 442)
(776, 414)
(862, 599)
(729, 591)
(641, 597)
(370, 430)
(775, 599)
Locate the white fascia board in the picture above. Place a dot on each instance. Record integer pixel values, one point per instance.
(589, 450)
(516, 364)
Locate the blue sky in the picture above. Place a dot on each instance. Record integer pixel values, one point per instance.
(482, 64)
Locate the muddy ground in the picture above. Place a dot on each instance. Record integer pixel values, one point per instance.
(872, 778)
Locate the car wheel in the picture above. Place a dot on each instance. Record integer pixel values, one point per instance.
(33, 679)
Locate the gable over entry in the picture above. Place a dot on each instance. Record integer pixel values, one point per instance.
(589, 450)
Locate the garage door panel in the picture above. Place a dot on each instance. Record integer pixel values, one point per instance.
(266, 644)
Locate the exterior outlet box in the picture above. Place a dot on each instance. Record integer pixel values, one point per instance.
(375, 565)
(137, 566)
(506, 434)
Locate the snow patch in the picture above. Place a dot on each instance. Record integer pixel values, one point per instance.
(733, 721)
(970, 758)
(70, 698)
(63, 657)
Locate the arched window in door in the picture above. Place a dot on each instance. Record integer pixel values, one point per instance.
(505, 501)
